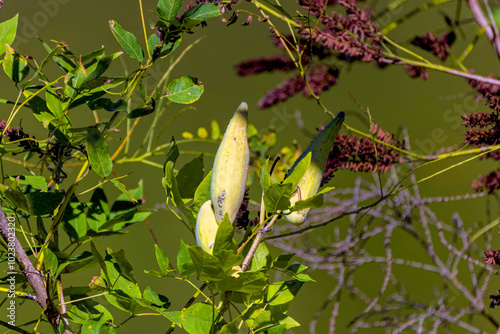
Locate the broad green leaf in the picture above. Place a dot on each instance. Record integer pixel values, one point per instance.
(207, 266)
(265, 178)
(282, 260)
(39, 109)
(141, 112)
(86, 309)
(118, 184)
(202, 193)
(92, 326)
(172, 191)
(197, 319)
(277, 197)
(8, 30)
(98, 209)
(162, 260)
(295, 270)
(124, 265)
(15, 65)
(224, 237)
(294, 175)
(315, 201)
(248, 282)
(14, 195)
(54, 104)
(184, 90)
(97, 150)
(168, 9)
(283, 292)
(82, 262)
(75, 220)
(107, 104)
(229, 262)
(127, 201)
(127, 40)
(154, 46)
(99, 258)
(261, 259)
(199, 13)
(190, 176)
(185, 264)
(174, 316)
(37, 182)
(49, 260)
(157, 300)
(43, 203)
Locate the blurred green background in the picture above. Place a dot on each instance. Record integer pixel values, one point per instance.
(429, 111)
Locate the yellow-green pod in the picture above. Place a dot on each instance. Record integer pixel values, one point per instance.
(206, 227)
(309, 183)
(229, 175)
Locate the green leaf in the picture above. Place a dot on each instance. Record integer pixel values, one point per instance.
(42, 203)
(127, 40)
(156, 299)
(315, 201)
(282, 260)
(8, 30)
(124, 265)
(283, 292)
(162, 260)
(37, 182)
(14, 195)
(49, 260)
(107, 104)
(295, 270)
(265, 178)
(99, 258)
(15, 65)
(118, 184)
(229, 261)
(199, 13)
(261, 259)
(98, 209)
(141, 112)
(82, 262)
(190, 176)
(202, 193)
(197, 319)
(277, 197)
(184, 90)
(97, 150)
(168, 9)
(294, 175)
(75, 220)
(185, 264)
(224, 237)
(207, 266)
(39, 109)
(247, 282)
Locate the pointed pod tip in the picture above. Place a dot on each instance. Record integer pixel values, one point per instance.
(341, 114)
(243, 109)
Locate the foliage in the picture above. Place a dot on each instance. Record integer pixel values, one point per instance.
(240, 286)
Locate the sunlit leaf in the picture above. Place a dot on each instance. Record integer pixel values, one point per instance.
(97, 150)
(127, 40)
(184, 90)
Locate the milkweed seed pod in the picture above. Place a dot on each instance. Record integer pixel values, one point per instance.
(309, 184)
(206, 227)
(229, 175)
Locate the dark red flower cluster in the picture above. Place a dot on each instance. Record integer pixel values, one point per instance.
(416, 72)
(242, 218)
(319, 78)
(265, 64)
(359, 155)
(16, 134)
(484, 129)
(437, 45)
(485, 90)
(355, 36)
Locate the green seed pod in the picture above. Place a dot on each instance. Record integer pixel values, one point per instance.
(206, 227)
(229, 175)
(309, 184)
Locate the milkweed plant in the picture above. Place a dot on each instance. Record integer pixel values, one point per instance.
(50, 220)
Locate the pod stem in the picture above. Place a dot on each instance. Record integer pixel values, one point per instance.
(258, 238)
